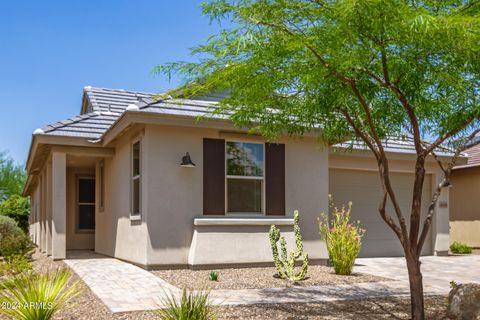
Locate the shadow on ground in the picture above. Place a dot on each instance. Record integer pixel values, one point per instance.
(386, 308)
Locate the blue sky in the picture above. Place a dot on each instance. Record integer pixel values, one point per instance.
(51, 49)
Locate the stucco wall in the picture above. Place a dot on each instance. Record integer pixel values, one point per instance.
(175, 195)
(465, 206)
(116, 235)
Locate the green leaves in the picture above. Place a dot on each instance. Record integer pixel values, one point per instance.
(299, 58)
(189, 306)
(342, 237)
(12, 177)
(36, 297)
(17, 208)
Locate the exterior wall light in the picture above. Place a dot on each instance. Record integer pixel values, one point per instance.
(187, 161)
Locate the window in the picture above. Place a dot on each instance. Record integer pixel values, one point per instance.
(136, 180)
(101, 174)
(85, 204)
(245, 177)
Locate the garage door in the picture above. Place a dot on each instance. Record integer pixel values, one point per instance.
(363, 189)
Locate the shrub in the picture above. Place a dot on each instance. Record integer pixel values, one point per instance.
(36, 297)
(285, 264)
(343, 238)
(461, 248)
(13, 241)
(213, 276)
(17, 208)
(14, 265)
(190, 306)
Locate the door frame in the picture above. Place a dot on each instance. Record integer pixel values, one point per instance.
(79, 177)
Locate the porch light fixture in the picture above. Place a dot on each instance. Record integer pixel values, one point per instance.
(187, 161)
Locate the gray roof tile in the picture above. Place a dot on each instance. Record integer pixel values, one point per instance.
(89, 125)
(105, 106)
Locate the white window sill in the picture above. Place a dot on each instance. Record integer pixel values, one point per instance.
(135, 217)
(247, 221)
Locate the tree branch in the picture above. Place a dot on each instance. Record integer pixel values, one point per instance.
(359, 132)
(449, 134)
(388, 219)
(386, 75)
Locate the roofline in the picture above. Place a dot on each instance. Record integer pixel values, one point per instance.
(31, 150)
(147, 117)
(398, 154)
(466, 166)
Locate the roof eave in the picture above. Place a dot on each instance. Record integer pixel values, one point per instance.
(42, 139)
(145, 117)
(443, 157)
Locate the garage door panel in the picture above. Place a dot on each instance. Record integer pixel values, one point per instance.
(362, 188)
(390, 248)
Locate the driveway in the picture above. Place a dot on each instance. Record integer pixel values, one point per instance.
(437, 271)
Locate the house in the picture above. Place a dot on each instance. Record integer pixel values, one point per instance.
(465, 200)
(146, 182)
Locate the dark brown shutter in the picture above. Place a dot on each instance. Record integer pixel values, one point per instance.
(275, 179)
(214, 176)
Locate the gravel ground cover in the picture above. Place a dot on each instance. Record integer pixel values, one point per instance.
(388, 308)
(87, 306)
(257, 278)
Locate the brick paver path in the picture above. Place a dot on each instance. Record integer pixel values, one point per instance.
(125, 287)
(119, 285)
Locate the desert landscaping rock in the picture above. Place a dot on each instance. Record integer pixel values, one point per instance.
(370, 309)
(257, 278)
(87, 306)
(464, 301)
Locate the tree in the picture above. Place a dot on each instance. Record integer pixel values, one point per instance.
(362, 70)
(12, 177)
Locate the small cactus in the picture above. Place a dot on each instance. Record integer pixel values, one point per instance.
(285, 264)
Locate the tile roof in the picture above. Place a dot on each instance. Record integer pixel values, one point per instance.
(473, 154)
(105, 106)
(90, 125)
(392, 144)
(113, 100)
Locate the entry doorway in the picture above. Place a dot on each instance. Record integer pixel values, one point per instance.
(85, 205)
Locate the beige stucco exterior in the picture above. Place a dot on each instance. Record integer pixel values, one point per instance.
(172, 230)
(116, 235)
(465, 211)
(174, 198)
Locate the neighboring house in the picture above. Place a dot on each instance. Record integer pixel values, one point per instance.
(465, 200)
(116, 179)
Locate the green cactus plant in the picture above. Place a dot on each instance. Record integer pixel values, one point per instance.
(285, 263)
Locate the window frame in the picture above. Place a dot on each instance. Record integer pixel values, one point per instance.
(101, 186)
(78, 203)
(261, 178)
(136, 215)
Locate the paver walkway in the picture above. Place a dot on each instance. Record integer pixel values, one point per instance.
(125, 287)
(121, 286)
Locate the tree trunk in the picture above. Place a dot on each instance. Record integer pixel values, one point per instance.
(416, 287)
